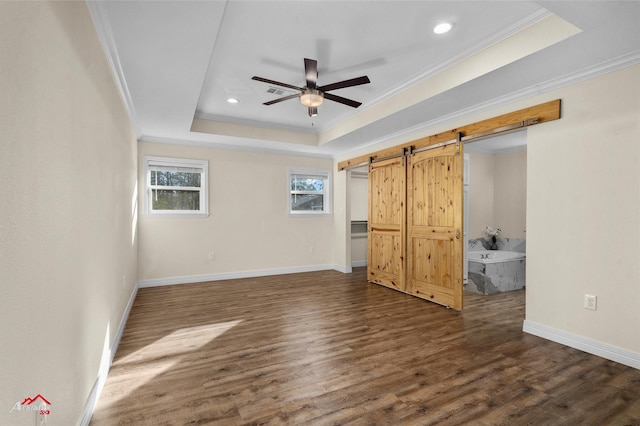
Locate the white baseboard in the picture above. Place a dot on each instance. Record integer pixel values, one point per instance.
(343, 269)
(358, 263)
(234, 275)
(613, 353)
(105, 364)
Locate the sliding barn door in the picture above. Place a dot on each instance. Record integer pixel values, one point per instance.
(434, 225)
(387, 220)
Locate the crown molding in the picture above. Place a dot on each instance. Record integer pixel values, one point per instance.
(594, 71)
(255, 124)
(587, 73)
(232, 147)
(105, 34)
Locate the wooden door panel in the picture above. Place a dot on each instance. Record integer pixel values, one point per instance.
(386, 183)
(432, 276)
(386, 259)
(431, 258)
(433, 206)
(434, 293)
(387, 223)
(434, 226)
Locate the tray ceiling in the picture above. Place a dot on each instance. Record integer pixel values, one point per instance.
(177, 63)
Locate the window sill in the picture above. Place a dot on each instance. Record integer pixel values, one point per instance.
(177, 215)
(310, 214)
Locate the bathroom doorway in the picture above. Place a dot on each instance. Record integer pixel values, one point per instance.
(497, 195)
(496, 185)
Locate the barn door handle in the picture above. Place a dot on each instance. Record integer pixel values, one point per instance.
(457, 234)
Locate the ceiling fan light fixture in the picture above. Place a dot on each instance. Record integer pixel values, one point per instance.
(311, 98)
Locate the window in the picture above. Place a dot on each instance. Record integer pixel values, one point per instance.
(309, 192)
(175, 186)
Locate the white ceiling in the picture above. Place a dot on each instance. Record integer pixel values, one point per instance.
(178, 61)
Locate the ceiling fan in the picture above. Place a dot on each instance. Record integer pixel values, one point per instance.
(312, 95)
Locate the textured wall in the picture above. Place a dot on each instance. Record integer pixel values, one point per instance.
(68, 248)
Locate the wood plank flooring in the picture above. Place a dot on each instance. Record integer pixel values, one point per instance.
(326, 348)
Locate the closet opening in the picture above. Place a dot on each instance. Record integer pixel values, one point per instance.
(359, 194)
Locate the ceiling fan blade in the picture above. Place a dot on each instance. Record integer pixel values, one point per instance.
(346, 83)
(276, 83)
(311, 72)
(286, 98)
(342, 100)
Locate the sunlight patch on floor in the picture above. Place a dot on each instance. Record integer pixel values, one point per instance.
(159, 357)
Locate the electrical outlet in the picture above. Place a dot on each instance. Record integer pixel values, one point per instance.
(590, 302)
(212, 255)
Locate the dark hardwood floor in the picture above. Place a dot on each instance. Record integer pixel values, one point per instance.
(325, 348)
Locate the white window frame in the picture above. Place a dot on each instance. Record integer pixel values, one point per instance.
(327, 191)
(177, 163)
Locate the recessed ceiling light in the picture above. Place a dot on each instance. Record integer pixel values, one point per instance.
(233, 100)
(442, 28)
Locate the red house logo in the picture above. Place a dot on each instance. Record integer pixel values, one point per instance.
(38, 403)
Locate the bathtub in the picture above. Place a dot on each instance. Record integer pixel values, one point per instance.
(496, 271)
(494, 256)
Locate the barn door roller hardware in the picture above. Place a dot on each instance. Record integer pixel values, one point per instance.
(440, 145)
(503, 129)
(511, 121)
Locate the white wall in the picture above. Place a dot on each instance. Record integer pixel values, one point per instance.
(67, 237)
(510, 193)
(481, 191)
(583, 210)
(248, 228)
(341, 221)
(359, 195)
(498, 193)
